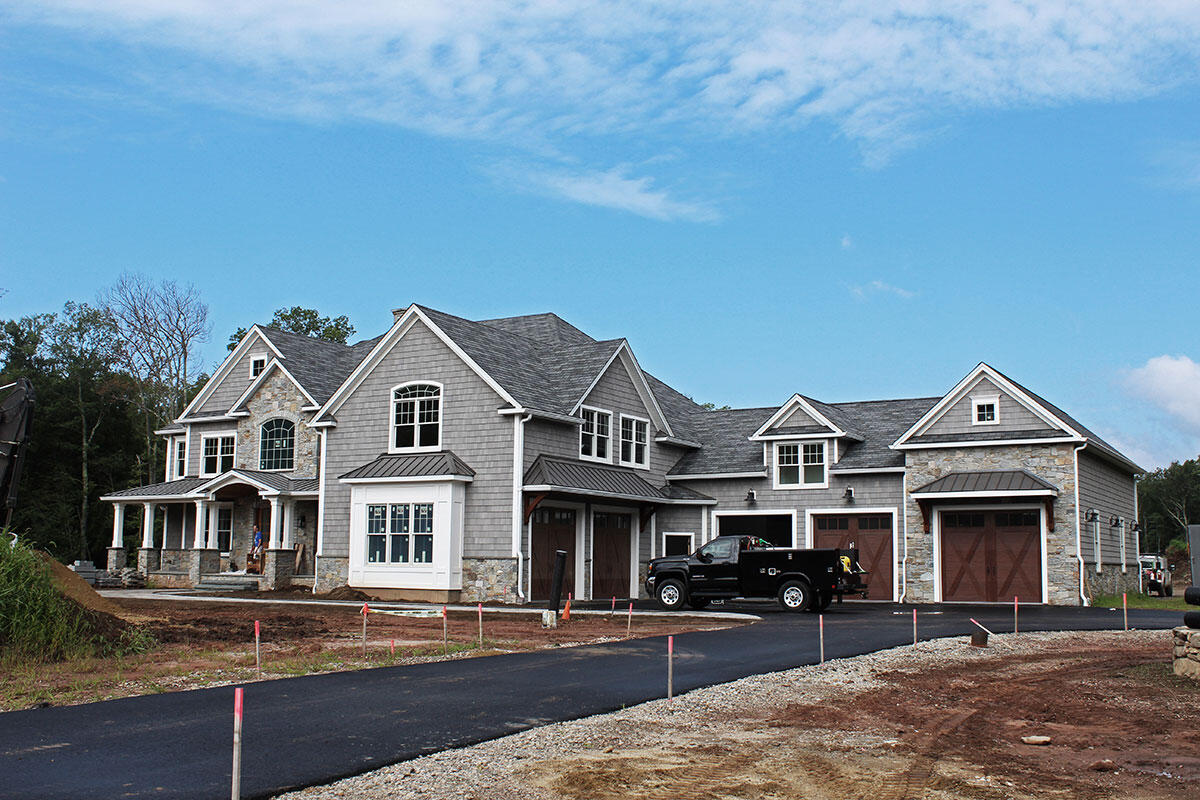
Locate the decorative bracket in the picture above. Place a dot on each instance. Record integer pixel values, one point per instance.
(533, 503)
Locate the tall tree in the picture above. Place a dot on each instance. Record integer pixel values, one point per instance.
(1169, 498)
(306, 322)
(159, 326)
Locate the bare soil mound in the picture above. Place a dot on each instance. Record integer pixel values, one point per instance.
(344, 593)
(77, 589)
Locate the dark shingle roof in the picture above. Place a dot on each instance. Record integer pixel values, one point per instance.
(579, 477)
(987, 482)
(542, 327)
(987, 436)
(879, 423)
(318, 365)
(415, 465)
(725, 436)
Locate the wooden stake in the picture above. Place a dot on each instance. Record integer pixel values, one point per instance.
(613, 611)
(445, 637)
(629, 621)
(821, 626)
(365, 611)
(914, 627)
(237, 744)
(481, 625)
(393, 648)
(257, 652)
(1015, 614)
(1125, 608)
(670, 668)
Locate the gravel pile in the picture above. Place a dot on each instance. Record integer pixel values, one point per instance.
(499, 769)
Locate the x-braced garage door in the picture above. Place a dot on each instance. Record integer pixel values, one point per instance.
(872, 535)
(991, 556)
(611, 545)
(553, 529)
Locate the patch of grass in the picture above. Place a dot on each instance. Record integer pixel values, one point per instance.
(1142, 601)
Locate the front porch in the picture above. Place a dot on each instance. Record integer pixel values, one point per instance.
(198, 532)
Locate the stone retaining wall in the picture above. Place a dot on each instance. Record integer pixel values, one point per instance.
(1187, 652)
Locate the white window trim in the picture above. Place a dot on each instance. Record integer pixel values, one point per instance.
(983, 400)
(691, 540)
(800, 445)
(634, 464)
(593, 457)
(175, 456)
(254, 359)
(391, 419)
(412, 540)
(211, 526)
(204, 438)
(295, 431)
(1121, 528)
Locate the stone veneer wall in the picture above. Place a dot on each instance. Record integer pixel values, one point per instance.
(1054, 463)
(277, 397)
(1187, 652)
(489, 579)
(1111, 581)
(332, 572)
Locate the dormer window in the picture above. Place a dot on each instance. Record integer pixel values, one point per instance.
(800, 465)
(417, 417)
(277, 445)
(595, 435)
(257, 365)
(985, 410)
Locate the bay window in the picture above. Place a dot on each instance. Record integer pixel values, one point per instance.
(400, 533)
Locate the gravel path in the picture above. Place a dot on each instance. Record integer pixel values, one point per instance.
(523, 766)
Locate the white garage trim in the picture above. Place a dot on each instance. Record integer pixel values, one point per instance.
(937, 542)
(758, 512)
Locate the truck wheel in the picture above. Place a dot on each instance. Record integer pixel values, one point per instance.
(795, 596)
(670, 595)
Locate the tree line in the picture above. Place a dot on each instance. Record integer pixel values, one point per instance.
(108, 374)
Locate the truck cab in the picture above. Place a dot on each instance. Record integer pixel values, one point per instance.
(1156, 574)
(730, 567)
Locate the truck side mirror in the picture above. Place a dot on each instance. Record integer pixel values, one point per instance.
(705, 557)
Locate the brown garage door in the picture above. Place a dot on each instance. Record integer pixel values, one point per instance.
(610, 554)
(872, 535)
(990, 556)
(552, 529)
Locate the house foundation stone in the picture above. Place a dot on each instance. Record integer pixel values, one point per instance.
(1186, 652)
(492, 579)
(116, 559)
(331, 572)
(203, 562)
(1111, 581)
(147, 560)
(278, 568)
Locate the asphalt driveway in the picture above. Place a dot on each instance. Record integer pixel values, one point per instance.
(304, 731)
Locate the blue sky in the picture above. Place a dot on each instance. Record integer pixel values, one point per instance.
(852, 200)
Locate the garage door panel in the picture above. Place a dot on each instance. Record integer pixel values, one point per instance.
(990, 556)
(1018, 566)
(552, 529)
(872, 535)
(963, 565)
(610, 555)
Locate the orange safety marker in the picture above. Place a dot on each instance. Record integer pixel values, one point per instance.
(364, 612)
(257, 654)
(566, 615)
(1125, 608)
(237, 743)
(393, 648)
(629, 621)
(1014, 613)
(445, 637)
(821, 625)
(914, 627)
(613, 611)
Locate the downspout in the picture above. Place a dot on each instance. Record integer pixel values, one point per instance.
(904, 523)
(320, 505)
(1078, 537)
(518, 516)
(1137, 539)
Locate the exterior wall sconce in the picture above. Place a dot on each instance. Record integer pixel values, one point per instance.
(1091, 515)
(848, 495)
(1116, 521)
(751, 496)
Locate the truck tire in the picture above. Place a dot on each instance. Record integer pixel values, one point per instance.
(795, 596)
(1192, 619)
(671, 595)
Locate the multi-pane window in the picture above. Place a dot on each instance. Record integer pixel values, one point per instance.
(800, 464)
(814, 463)
(788, 464)
(400, 533)
(984, 410)
(180, 458)
(257, 365)
(277, 445)
(417, 416)
(634, 436)
(224, 529)
(595, 434)
(217, 455)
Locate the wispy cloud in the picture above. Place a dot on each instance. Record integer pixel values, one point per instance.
(614, 188)
(1178, 165)
(1173, 384)
(847, 242)
(878, 287)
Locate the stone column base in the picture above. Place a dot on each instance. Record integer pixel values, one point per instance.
(331, 572)
(203, 562)
(278, 567)
(116, 559)
(147, 560)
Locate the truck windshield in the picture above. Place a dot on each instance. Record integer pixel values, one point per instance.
(723, 548)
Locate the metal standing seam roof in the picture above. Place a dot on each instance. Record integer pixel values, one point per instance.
(584, 478)
(181, 487)
(414, 465)
(186, 487)
(988, 482)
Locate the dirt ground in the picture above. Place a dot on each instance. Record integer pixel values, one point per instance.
(936, 722)
(202, 643)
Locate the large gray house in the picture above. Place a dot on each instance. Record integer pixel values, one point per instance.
(448, 459)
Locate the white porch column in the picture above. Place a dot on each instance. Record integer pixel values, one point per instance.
(118, 539)
(199, 539)
(275, 526)
(289, 513)
(210, 514)
(147, 525)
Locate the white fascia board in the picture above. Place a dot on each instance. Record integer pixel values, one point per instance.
(717, 475)
(551, 416)
(985, 495)
(793, 402)
(634, 370)
(257, 383)
(325, 423)
(962, 387)
(865, 470)
(254, 334)
(780, 437)
(543, 487)
(677, 441)
(222, 418)
(412, 479)
(171, 432)
(984, 443)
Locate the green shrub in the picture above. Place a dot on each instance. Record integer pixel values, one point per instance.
(39, 624)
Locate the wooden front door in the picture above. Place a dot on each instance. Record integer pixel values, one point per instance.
(991, 556)
(552, 529)
(872, 535)
(611, 539)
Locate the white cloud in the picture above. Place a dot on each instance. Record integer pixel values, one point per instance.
(878, 287)
(882, 71)
(1173, 384)
(613, 188)
(847, 242)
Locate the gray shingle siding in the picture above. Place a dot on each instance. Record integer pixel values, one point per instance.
(470, 427)
(1011, 414)
(1109, 490)
(235, 382)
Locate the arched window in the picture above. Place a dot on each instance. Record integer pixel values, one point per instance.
(277, 445)
(417, 416)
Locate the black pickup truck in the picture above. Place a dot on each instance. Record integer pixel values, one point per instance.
(744, 566)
